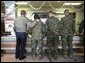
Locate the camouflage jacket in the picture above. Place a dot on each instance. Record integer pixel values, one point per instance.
(37, 29)
(53, 24)
(67, 25)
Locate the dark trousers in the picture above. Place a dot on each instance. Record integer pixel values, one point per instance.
(20, 45)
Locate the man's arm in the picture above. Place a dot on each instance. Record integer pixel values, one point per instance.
(43, 28)
(72, 24)
(61, 26)
(81, 26)
(14, 25)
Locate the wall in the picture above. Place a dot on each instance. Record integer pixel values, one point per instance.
(79, 18)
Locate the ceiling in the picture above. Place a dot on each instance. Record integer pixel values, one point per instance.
(55, 4)
(2, 7)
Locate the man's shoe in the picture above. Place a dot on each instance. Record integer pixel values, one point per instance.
(22, 58)
(40, 57)
(17, 57)
(33, 56)
(70, 56)
(65, 56)
(55, 57)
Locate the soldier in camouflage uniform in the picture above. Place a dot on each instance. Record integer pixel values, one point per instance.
(37, 28)
(53, 29)
(67, 27)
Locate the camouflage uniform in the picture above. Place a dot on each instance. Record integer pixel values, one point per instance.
(37, 29)
(67, 27)
(53, 28)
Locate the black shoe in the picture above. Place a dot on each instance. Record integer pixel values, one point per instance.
(22, 58)
(55, 57)
(41, 57)
(70, 56)
(17, 57)
(33, 56)
(26, 54)
(65, 56)
(50, 58)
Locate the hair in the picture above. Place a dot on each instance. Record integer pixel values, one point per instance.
(23, 12)
(36, 16)
(51, 12)
(66, 10)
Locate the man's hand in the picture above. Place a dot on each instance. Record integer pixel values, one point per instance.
(61, 33)
(14, 29)
(57, 33)
(75, 33)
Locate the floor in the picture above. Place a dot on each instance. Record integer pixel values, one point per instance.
(11, 58)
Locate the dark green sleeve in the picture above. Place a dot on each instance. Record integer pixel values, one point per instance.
(81, 26)
(47, 24)
(29, 30)
(43, 28)
(72, 24)
(61, 24)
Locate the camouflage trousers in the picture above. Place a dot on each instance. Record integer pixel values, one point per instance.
(67, 48)
(52, 45)
(36, 46)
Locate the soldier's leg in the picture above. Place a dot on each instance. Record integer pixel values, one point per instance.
(42, 45)
(49, 46)
(39, 50)
(70, 46)
(64, 44)
(38, 47)
(56, 42)
(33, 47)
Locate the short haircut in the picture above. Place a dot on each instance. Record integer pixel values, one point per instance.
(23, 12)
(36, 16)
(66, 10)
(51, 12)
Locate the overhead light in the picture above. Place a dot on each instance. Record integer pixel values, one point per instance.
(59, 12)
(58, 1)
(72, 3)
(21, 3)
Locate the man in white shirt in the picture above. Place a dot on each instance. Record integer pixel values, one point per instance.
(20, 28)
